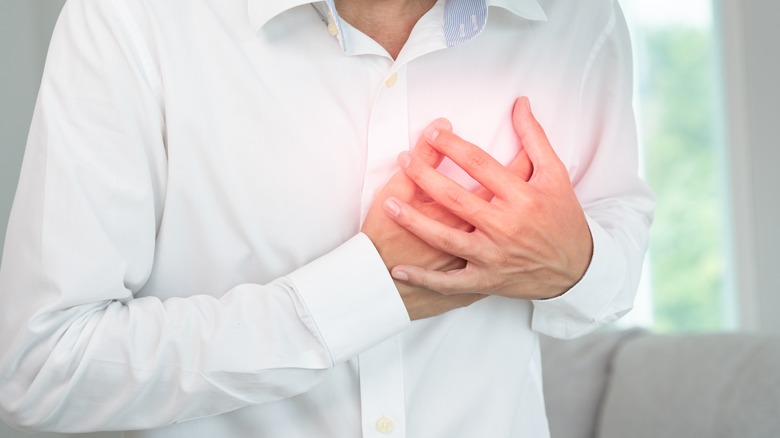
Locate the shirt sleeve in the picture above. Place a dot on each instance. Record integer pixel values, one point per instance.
(618, 205)
(79, 350)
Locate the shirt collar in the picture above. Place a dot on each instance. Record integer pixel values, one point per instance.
(528, 9)
(261, 11)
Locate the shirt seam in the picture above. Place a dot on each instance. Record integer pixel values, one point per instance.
(136, 43)
(598, 46)
(299, 298)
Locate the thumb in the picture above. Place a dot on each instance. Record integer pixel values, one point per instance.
(532, 136)
(424, 150)
(521, 165)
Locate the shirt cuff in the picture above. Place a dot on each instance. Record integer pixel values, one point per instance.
(587, 304)
(351, 298)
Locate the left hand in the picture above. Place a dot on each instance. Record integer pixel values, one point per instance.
(396, 245)
(531, 240)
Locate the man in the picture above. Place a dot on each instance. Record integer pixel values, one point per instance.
(211, 207)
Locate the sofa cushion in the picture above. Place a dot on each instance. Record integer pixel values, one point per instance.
(688, 386)
(575, 374)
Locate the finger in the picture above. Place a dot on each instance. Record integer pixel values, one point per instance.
(533, 138)
(425, 150)
(458, 281)
(484, 193)
(442, 237)
(443, 190)
(521, 165)
(476, 162)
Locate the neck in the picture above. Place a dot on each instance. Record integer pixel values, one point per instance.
(388, 22)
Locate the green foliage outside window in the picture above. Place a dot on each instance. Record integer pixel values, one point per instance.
(679, 118)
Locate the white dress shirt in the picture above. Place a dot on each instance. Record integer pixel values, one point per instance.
(184, 257)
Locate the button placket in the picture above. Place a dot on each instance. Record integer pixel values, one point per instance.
(382, 397)
(333, 28)
(390, 82)
(385, 425)
(388, 134)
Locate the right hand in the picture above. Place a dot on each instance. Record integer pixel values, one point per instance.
(398, 246)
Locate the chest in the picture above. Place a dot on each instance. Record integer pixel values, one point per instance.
(278, 141)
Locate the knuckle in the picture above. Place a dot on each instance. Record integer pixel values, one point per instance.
(454, 197)
(513, 228)
(476, 159)
(446, 243)
(427, 153)
(425, 282)
(414, 170)
(534, 202)
(498, 257)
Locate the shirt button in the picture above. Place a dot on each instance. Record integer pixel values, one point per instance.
(391, 80)
(333, 28)
(384, 425)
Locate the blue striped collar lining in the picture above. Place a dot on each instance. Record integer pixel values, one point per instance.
(463, 19)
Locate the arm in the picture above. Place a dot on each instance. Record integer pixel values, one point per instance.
(572, 243)
(79, 351)
(618, 204)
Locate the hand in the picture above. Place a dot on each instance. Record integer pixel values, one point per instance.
(396, 245)
(530, 241)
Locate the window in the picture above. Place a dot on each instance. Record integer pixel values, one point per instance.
(680, 112)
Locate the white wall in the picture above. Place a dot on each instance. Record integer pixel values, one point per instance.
(762, 50)
(752, 61)
(24, 32)
(25, 29)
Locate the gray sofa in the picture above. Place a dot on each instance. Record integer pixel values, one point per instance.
(634, 384)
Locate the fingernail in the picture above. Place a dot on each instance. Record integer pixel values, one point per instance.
(443, 124)
(404, 159)
(392, 207)
(526, 102)
(434, 129)
(400, 275)
(431, 133)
